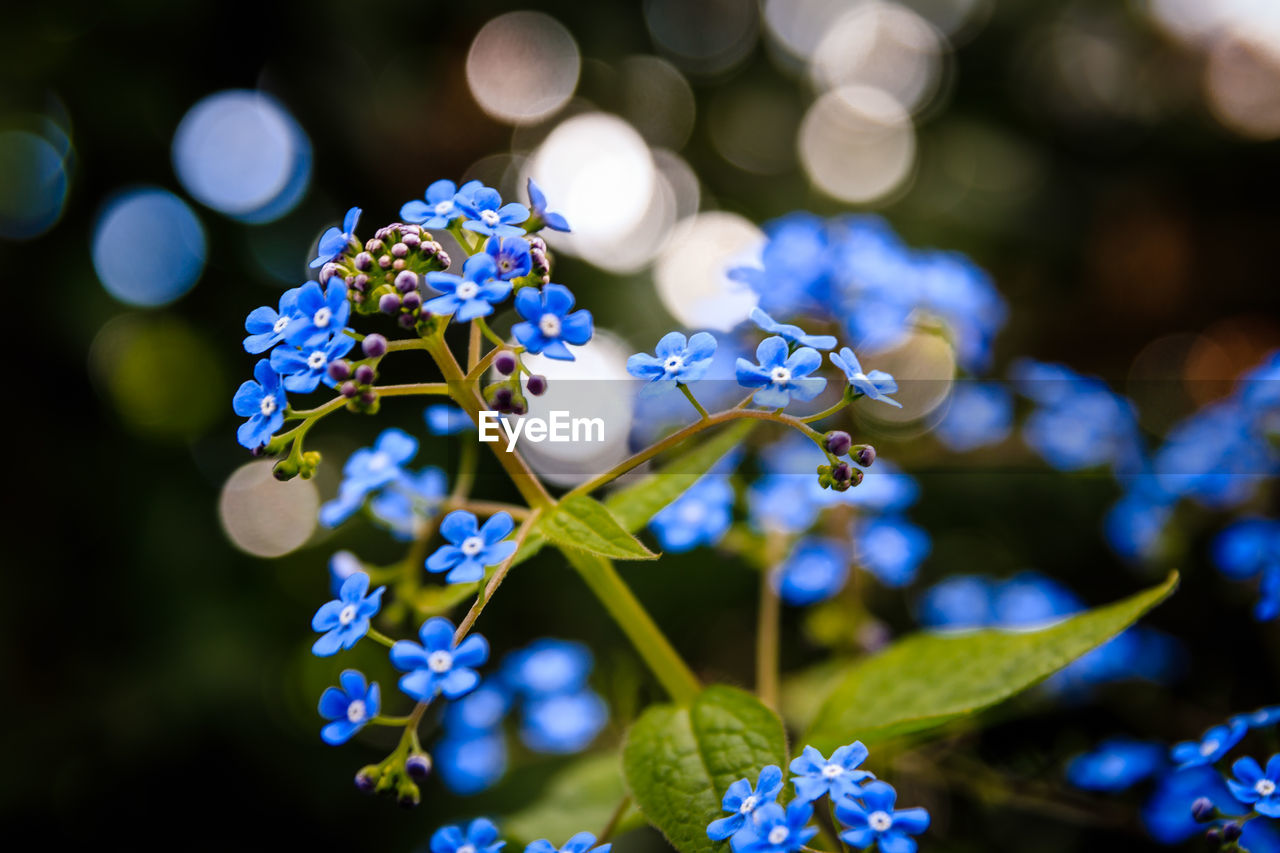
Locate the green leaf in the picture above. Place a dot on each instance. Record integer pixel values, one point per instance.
(678, 761)
(927, 680)
(584, 523)
(584, 795)
(635, 504)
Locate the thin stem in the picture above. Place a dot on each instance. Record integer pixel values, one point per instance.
(438, 388)
(826, 413)
(406, 344)
(466, 475)
(614, 819)
(768, 618)
(473, 345)
(684, 389)
(487, 508)
(489, 333)
(379, 637)
(389, 721)
(496, 580)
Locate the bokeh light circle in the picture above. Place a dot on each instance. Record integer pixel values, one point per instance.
(148, 247)
(522, 67)
(263, 516)
(707, 37)
(857, 143)
(33, 185)
(657, 100)
(692, 275)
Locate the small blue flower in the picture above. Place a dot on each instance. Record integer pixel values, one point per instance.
(409, 498)
(960, 602)
(1213, 745)
(304, 370)
(471, 547)
(342, 565)
(678, 361)
(580, 843)
(510, 256)
(489, 216)
(263, 403)
(1167, 812)
(267, 326)
(538, 201)
(481, 837)
(876, 385)
(816, 570)
(793, 334)
(890, 548)
(564, 723)
(839, 776)
(980, 414)
(346, 619)
(470, 295)
(481, 710)
(441, 206)
(1243, 550)
(1254, 787)
(444, 419)
(438, 666)
(781, 377)
(1260, 719)
(701, 516)
(875, 821)
(547, 667)
(335, 241)
(321, 314)
(367, 470)
(349, 707)
(1116, 764)
(548, 324)
(773, 830)
(782, 503)
(471, 762)
(741, 800)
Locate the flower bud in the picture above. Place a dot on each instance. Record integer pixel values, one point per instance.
(865, 456)
(1214, 837)
(412, 301)
(398, 264)
(505, 362)
(1231, 832)
(442, 256)
(406, 280)
(1202, 810)
(349, 390)
(368, 397)
(364, 374)
(412, 240)
(406, 321)
(361, 282)
(339, 370)
(327, 272)
(837, 442)
(364, 261)
(389, 303)
(285, 469)
(385, 262)
(374, 346)
(374, 246)
(537, 385)
(367, 779)
(501, 399)
(418, 765)
(399, 250)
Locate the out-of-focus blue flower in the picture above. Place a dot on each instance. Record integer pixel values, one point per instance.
(349, 707)
(406, 500)
(440, 207)
(782, 503)
(548, 325)
(1254, 787)
(481, 710)
(1117, 764)
(346, 619)
(304, 370)
(794, 277)
(538, 202)
(1212, 745)
(839, 776)
(959, 602)
(471, 547)
(875, 821)
(701, 516)
(510, 257)
(741, 801)
(580, 843)
(1080, 422)
(1261, 718)
(963, 296)
(677, 361)
(1031, 600)
(471, 762)
(470, 295)
(773, 830)
(780, 376)
(321, 314)
(266, 326)
(981, 414)
(342, 565)
(366, 471)
(815, 571)
(444, 419)
(563, 723)
(1134, 523)
(1217, 457)
(486, 214)
(891, 548)
(1259, 389)
(263, 402)
(1167, 812)
(793, 334)
(437, 665)
(547, 667)
(876, 385)
(335, 241)
(1245, 549)
(481, 837)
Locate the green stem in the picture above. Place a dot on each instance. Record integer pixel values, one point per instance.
(489, 333)
(825, 413)
(379, 637)
(439, 388)
(684, 389)
(389, 721)
(614, 819)
(496, 580)
(473, 345)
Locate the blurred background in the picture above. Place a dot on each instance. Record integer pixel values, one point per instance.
(165, 168)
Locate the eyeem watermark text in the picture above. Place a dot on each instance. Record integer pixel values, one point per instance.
(559, 427)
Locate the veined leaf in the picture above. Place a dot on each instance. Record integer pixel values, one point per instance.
(584, 523)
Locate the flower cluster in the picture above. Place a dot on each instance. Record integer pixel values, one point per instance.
(481, 836)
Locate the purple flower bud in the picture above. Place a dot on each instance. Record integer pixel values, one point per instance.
(418, 765)
(518, 406)
(374, 346)
(385, 232)
(364, 374)
(389, 303)
(406, 281)
(1231, 832)
(349, 390)
(385, 262)
(838, 442)
(366, 780)
(349, 280)
(339, 370)
(374, 246)
(407, 321)
(412, 240)
(505, 362)
(443, 257)
(399, 250)
(1202, 810)
(1214, 837)
(368, 397)
(364, 261)
(537, 385)
(501, 399)
(412, 301)
(866, 456)
(398, 264)
(361, 282)
(327, 272)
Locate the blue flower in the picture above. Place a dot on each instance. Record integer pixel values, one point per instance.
(875, 821)
(489, 216)
(1116, 764)
(481, 837)
(564, 723)
(793, 334)
(773, 830)
(481, 710)
(510, 256)
(267, 326)
(321, 314)
(782, 503)
(349, 707)
(470, 295)
(876, 385)
(346, 619)
(548, 324)
(1213, 745)
(263, 403)
(538, 201)
(367, 470)
(815, 571)
(740, 800)
(304, 370)
(471, 762)
(342, 565)
(444, 419)
(548, 667)
(1254, 787)
(441, 206)
(678, 361)
(701, 516)
(580, 843)
(407, 499)
(781, 377)
(890, 548)
(335, 241)
(438, 666)
(980, 414)
(960, 602)
(1243, 550)
(1261, 718)
(839, 776)
(1167, 813)
(471, 547)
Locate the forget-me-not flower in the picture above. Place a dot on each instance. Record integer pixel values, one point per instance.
(471, 547)
(875, 821)
(1254, 787)
(547, 666)
(441, 206)
(793, 334)
(564, 723)
(775, 830)
(487, 214)
(470, 295)
(1213, 744)
(1117, 764)
(677, 361)
(263, 403)
(481, 837)
(267, 326)
(511, 258)
(700, 516)
(321, 314)
(437, 665)
(876, 385)
(816, 570)
(779, 376)
(839, 776)
(741, 801)
(335, 241)
(538, 201)
(444, 419)
(349, 707)
(305, 369)
(548, 325)
(367, 470)
(580, 843)
(346, 619)
(891, 548)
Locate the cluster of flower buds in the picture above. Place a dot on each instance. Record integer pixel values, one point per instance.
(840, 475)
(396, 776)
(386, 276)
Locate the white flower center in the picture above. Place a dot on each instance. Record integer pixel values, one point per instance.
(472, 545)
(316, 360)
(1265, 787)
(466, 848)
(672, 364)
(1209, 747)
(549, 325)
(444, 207)
(780, 375)
(280, 324)
(778, 834)
(832, 771)
(748, 805)
(467, 290)
(322, 317)
(879, 821)
(440, 661)
(489, 217)
(379, 461)
(267, 406)
(347, 614)
(355, 711)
